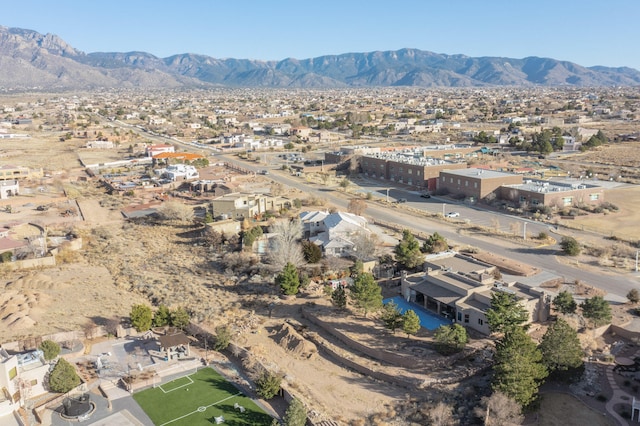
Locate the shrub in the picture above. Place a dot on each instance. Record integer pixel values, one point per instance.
(223, 338)
(633, 296)
(570, 246)
(6, 256)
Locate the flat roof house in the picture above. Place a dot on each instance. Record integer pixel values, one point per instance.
(464, 295)
(476, 183)
(21, 377)
(244, 205)
(552, 194)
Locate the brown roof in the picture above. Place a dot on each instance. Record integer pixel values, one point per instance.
(173, 340)
(7, 244)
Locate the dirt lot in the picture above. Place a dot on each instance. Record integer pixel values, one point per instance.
(623, 223)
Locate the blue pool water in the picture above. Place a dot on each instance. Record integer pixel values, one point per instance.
(427, 319)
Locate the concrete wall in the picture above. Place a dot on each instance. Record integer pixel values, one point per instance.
(387, 357)
(31, 263)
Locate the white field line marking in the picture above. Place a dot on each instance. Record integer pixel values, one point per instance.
(181, 386)
(196, 411)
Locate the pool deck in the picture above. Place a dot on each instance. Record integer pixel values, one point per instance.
(428, 320)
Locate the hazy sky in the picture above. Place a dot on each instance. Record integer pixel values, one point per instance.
(581, 31)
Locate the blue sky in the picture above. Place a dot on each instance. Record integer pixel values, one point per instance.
(581, 31)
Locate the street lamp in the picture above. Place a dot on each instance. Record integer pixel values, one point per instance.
(443, 206)
(524, 232)
(387, 195)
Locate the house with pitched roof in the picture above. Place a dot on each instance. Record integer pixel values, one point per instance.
(333, 232)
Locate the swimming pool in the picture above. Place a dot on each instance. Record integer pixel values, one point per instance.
(427, 319)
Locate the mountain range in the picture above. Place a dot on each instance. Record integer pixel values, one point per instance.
(33, 61)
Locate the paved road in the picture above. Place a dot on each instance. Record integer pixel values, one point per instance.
(545, 258)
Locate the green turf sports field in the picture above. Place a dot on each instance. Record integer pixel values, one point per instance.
(196, 399)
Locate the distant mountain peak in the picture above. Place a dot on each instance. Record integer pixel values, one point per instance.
(28, 59)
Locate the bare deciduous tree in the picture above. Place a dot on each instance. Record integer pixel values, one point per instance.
(175, 210)
(364, 245)
(441, 415)
(277, 189)
(357, 206)
(285, 245)
(499, 410)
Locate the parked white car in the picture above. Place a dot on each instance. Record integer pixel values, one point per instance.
(453, 214)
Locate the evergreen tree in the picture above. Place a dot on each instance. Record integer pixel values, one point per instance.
(410, 322)
(391, 316)
(296, 414)
(561, 348)
(633, 296)
(506, 312)
(564, 303)
(450, 338)
(268, 384)
(366, 292)
(597, 310)
(141, 317)
(311, 251)
(288, 280)
(180, 318)
(518, 367)
(408, 251)
(50, 349)
(63, 377)
(339, 297)
(162, 316)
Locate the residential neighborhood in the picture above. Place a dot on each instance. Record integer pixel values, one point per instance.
(352, 247)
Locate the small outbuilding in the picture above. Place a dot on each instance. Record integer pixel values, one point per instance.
(174, 346)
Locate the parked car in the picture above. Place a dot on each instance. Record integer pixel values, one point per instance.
(425, 195)
(453, 214)
(401, 200)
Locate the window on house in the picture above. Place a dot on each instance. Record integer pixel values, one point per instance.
(450, 180)
(466, 318)
(567, 201)
(13, 373)
(594, 197)
(410, 171)
(459, 316)
(475, 185)
(34, 382)
(480, 321)
(466, 183)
